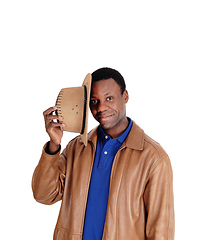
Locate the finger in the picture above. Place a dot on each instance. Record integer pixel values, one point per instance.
(50, 110)
(57, 124)
(53, 125)
(52, 119)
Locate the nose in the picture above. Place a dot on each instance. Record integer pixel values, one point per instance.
(101, 107)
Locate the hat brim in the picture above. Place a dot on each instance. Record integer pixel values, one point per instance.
(87, 83)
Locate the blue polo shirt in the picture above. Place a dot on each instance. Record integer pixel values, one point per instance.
(99, 184)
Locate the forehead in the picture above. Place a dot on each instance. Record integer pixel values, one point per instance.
(105, 86)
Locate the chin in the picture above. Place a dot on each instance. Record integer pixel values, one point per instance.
(106, 126)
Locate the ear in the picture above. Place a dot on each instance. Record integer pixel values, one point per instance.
(126, 96)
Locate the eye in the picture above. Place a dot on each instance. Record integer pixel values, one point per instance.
(93, 102)
(109, 98)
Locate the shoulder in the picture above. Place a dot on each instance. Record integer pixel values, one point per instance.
(139, 140)
(153, 145)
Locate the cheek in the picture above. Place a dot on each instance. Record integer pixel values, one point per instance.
(118, 109)
(121, 110)
(92, 111)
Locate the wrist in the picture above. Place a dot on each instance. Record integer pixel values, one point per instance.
(52, 148)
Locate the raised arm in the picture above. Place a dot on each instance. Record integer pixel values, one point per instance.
(49, 175)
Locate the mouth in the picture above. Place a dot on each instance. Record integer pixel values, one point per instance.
(104, 118)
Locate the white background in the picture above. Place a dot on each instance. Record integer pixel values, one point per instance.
(162, 50)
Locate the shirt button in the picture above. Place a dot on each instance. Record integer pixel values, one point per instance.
(106, 137)
(105, 152)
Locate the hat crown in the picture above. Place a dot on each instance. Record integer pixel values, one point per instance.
(70, 105)
(73, 105)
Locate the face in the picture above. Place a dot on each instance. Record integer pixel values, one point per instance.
(108, 106)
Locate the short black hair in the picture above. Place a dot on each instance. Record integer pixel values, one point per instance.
(106, 73)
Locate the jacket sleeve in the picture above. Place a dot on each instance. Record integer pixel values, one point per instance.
(159, 201)
(49, 177)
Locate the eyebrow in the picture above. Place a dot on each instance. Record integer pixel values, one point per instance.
(108, 93)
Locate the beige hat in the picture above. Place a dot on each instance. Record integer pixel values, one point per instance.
(73, 105)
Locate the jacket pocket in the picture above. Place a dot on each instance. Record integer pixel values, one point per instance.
(64, 234)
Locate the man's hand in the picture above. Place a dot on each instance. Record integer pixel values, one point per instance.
(53, 128)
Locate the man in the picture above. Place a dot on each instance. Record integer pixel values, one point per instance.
(119, 186)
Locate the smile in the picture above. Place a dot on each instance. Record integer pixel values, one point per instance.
(104, 118)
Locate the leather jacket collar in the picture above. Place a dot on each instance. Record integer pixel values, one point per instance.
(135, 139)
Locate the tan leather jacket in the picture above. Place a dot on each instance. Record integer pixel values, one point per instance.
(140, 204)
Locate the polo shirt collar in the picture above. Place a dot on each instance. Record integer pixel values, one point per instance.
(102, 135)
